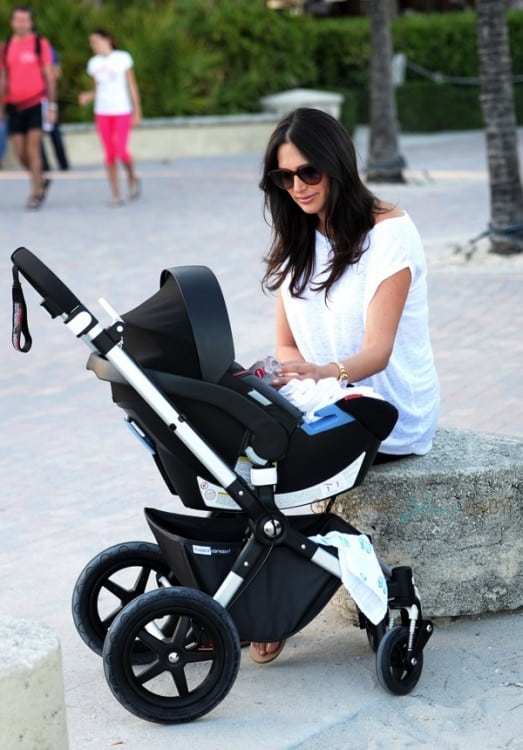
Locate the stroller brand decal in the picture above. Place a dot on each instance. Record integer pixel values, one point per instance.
(199, 549)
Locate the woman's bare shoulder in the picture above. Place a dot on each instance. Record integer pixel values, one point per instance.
(386, 211)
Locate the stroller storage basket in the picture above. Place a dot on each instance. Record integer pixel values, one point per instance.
(201, 552)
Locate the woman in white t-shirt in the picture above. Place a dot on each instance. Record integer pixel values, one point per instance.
(116, 107)
(351, 279)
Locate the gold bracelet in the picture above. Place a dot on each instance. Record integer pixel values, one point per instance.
(342, 373)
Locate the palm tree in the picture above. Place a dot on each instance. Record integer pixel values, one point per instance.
(385, 162)
(497, 103)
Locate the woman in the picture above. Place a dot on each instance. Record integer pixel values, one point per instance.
(350, 274)
(116, 106)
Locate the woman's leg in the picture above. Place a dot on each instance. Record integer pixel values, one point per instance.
(106, 131)
(123, 125)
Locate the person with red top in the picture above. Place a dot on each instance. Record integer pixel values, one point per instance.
(26, 80)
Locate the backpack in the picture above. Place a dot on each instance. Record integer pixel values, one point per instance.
(38, 49)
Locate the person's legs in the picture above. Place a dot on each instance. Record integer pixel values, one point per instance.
(122, 131)
(26, 131)
(18, 141)
(59, 147)
(43, 155)
(105, 127)
(33, 140)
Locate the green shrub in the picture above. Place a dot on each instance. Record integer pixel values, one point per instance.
(427, 107)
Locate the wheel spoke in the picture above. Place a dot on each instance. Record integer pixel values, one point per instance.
(181, 631)
(180, 681)
(153, 643)
(205, 654)
(150, 672)
(141, 582)
(107, 621)
(121, 593)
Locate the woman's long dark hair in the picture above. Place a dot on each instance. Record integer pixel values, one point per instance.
(350, 209)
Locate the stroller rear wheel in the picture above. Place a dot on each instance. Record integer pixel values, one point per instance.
(194, 655)
(394, 670)
(111, 580)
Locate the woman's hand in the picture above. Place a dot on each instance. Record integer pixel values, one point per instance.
(302, 371)
(86, 97)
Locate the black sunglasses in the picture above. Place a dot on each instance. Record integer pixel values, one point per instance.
(284, 178)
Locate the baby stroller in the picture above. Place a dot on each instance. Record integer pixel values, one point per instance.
(228, 444)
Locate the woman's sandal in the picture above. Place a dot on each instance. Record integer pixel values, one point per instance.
(136, 190)
(34, 201)
(266, 658)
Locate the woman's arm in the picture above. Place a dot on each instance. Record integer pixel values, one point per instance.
(135, 96)
(286, 349)
(383, 316)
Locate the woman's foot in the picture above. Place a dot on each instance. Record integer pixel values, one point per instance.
(135, 189)
(34, 202)
(263, 653)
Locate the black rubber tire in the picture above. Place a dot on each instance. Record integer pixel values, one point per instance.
(394, 672)
(375, 633)
(194, 649)
(111, 580)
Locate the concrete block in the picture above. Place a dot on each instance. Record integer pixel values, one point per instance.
(455, 516)
(286, 101)
(32, 710)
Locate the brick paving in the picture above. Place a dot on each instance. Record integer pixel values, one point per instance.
(72, 480)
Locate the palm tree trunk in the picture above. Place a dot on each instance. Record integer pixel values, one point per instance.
(385, 163)
(497, 103)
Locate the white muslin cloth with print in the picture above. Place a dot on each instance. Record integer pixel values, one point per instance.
(309, 396)
(361, 573)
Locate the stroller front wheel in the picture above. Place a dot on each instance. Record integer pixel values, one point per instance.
(194, 655)
(393, 668)
(111, 580)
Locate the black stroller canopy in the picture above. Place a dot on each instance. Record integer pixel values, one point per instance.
(184, 328)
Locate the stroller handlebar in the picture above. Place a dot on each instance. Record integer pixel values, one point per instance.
(57, 298)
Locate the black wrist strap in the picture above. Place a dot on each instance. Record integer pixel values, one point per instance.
(21, 337)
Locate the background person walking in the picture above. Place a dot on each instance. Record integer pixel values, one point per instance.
(26, 80)
(116, 107)
(54, 131)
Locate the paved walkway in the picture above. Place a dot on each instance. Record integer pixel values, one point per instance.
(73, 482)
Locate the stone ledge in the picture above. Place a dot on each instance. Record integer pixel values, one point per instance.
(454, 515)
(32, 709)
(168, 138)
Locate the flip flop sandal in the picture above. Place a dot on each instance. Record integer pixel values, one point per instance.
(265, 658)
(34, 202)
(46, 184)
(136, 191)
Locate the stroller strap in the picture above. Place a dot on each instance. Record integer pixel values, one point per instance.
(20, 336)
